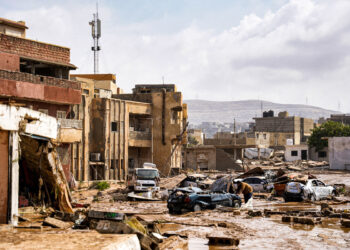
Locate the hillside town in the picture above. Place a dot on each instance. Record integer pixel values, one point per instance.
(85, 164)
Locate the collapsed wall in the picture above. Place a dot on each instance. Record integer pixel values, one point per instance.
(42, 173)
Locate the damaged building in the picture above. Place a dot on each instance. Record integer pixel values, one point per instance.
(37, 119)
(123, 131)
(168, 119)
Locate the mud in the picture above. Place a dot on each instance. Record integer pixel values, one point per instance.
(265, 231)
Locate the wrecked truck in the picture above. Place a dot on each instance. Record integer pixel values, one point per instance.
(194, 199)
(145, 178)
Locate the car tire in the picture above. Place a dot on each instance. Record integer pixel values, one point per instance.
(171, 210)
(236, 204)
(197, 208)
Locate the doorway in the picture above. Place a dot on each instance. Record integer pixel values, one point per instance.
(304, 154)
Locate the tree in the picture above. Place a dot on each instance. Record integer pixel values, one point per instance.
(192, 141)
(328, 129)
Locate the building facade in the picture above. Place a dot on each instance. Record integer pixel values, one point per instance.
(169, 123)
(284, 129)
(37, 102)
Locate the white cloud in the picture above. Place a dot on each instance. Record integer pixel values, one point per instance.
(300, 50)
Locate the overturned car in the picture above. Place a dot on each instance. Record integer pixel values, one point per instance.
(194, 199)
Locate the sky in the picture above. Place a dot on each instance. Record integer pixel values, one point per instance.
(284, 51)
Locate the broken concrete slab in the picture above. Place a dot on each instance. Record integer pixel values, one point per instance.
(299, 220)
(114, 227)
(57, 223)
(173, 242)
(215, 240)
(345, 223)
(254, 213)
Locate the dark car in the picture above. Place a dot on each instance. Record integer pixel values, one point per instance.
(294, 191)
(193, 199)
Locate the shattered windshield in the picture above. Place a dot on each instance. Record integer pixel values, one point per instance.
(147, 174)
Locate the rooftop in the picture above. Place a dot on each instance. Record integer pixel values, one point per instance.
(16, 24)
(98, 77)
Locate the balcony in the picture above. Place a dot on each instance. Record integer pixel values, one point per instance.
(140, 139)
(70, 130)
(37, 79)
(39, 88)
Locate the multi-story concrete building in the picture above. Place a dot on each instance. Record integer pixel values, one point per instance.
(168, 116)
(285, 129)
(121, 132)
(342, 118)
(38, 100)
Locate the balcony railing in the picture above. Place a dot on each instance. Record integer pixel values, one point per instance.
(70, 123)
(37, 79)
(138, 135)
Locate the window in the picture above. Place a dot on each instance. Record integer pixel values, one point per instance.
(294, 153)
(322, 154)
(264, 136)
(86, 91)
(61, 114)
(257, 136)
(174, 119)
(114, 126)
(45, 111)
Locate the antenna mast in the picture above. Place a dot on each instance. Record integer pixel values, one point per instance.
(96, 34)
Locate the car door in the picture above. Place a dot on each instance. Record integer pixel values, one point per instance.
(323, 190)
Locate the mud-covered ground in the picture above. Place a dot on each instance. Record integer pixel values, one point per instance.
(253, 232)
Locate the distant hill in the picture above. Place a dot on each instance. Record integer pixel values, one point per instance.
(213, 111)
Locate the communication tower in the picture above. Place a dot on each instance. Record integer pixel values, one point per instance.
(96, 34)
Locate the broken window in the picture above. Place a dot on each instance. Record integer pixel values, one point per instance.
(322, 154)
(114, 126)
(294, 153)
(61, 114)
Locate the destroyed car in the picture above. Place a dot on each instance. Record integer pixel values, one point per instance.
(193, 199)
(316, 190)
(259, 184)
(197, 180)
(294, 191)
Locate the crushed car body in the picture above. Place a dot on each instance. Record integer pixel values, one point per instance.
(194, 199)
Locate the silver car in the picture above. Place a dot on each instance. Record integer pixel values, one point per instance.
(316, 190)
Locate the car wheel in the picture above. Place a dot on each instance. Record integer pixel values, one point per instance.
(197, 208)
(171, 210)
(236, 204)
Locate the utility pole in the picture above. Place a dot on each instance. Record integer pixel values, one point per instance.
(234, 139)
(96, 34)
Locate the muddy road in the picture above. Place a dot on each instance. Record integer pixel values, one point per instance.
(257, 229)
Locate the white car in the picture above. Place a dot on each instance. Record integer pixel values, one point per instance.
(259, 184)
(316, 190)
